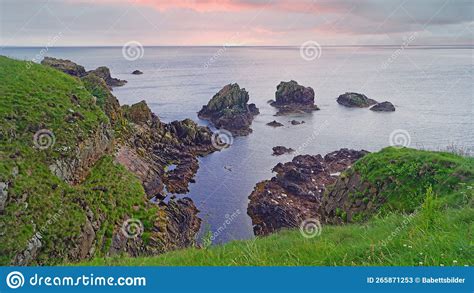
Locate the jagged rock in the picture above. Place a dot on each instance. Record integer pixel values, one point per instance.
(295, 193)
(228, 109)
(274, 123)
(183, 224)
(139, 113)
(137, 72)
(383, 107)
(3, 195)
(355, 100)
(155, 145)
(75, 167)
(281, 150)
(104, 73)
(30, 253)
(66, 66)
(291, 97)
(294, 122)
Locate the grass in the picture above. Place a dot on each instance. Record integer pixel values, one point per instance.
(394, 240)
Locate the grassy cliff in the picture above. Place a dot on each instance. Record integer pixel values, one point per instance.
(49, 120)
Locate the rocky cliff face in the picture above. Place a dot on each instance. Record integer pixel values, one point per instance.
(291, 97)
(74, 165)
(228, 109)
(295, 194)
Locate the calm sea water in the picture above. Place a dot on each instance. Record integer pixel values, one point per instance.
(432, 89)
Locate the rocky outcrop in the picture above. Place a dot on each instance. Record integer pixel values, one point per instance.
(139, 113)
(355, 100)
(104, 73)
(66, 66)
(291, 97)
(229, 109)
(383, 107)
(3, 195)
(295, 193)
(281, 150)
(74, 166)
(153, 145)
(275, 123)
(177, 230)
(71, 68)
(183, 224)
(137, 72)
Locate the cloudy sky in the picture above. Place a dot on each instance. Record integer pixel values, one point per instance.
(234, 22)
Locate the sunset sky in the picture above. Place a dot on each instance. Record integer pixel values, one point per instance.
(234, 22)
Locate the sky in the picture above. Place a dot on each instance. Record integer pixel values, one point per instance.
(235, 22)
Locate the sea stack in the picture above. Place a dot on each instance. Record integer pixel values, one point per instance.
(291, 97)
(229, 109)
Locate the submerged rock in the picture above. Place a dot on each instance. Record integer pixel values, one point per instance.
(383, 107)
(295, 193)
(274, 123)
(294, 122)
(291, 97)
(355, 100)
(228, 109)
(137, 72)
(280, 150)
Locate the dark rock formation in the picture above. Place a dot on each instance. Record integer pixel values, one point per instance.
(153, 145)
(104, 73)
(66, 66)
(138, 113)
(274, 123)
(137, 72)
(355, 100)
(294, 122)
(280, 150)
(228, 109)
(291, 97)
(76, 70)
(184, 223)
(383, 107)
(295, 193)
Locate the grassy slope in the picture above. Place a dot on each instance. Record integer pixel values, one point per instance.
(439, 232)
(38, 97)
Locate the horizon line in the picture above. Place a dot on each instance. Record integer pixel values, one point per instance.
(240, 46)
